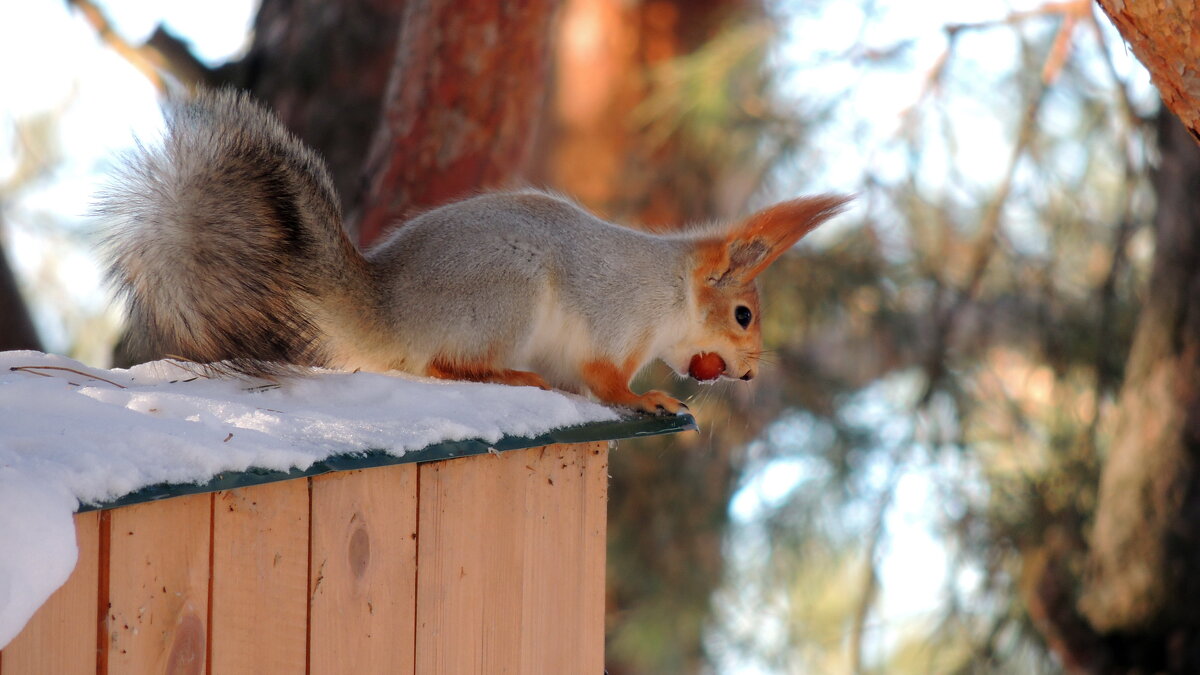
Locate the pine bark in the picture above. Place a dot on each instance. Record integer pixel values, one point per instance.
(1165, 37)
(461, 108)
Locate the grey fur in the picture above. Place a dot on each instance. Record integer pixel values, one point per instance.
(478, 255)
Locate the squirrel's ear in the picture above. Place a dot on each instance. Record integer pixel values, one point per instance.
(753, 244)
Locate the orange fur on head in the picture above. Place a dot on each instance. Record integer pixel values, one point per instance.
(725, 266)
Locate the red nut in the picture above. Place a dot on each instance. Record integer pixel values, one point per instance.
(706, 366)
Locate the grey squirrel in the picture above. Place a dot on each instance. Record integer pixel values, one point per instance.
(227, 242)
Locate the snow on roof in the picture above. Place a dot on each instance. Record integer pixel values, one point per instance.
(70, 434)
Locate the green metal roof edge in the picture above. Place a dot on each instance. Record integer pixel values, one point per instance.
(628, 427)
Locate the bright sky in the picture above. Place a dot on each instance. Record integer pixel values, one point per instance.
(103, 101)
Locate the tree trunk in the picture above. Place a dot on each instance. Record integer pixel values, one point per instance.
(1145, 545)
(16, 329)
(1136, 610)
(462, 105)
(1165, 37)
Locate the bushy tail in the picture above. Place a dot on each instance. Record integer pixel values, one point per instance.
(227, 239)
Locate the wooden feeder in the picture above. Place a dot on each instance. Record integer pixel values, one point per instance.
(459, 558)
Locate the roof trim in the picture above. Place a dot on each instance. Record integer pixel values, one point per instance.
(629, 427)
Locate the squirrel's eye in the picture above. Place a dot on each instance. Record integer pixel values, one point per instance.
(743, 316)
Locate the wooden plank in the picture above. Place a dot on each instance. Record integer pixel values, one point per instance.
(562, 613)
(468, 564)
(61, 636)
(259, 601)
(511, 562)
(158, 586)
(363, 571)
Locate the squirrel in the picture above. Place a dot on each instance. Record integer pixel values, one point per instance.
(227, 243)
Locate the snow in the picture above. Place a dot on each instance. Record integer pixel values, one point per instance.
(94, 435)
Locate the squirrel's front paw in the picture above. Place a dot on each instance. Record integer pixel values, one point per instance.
(658, 403)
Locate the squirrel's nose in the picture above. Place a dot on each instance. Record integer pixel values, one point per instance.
(748, 376)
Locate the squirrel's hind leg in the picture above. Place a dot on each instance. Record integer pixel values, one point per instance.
(450, 370)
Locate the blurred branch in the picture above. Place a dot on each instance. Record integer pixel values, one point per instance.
(163, 59)
(1066, 8)
(1072, 12)
(870, 587)
(38, 150)
(983, 250)
(1127, 109)
(1106, 378)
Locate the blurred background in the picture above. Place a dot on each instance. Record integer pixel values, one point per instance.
(924, 478)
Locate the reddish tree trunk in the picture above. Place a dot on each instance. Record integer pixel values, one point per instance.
(462, 105)
(1165, 37)
(441, 97)
(594, 148)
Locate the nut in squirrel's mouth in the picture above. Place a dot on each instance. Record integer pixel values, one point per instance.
(706, 366)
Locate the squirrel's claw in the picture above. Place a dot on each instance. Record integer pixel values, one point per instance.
(658, 403)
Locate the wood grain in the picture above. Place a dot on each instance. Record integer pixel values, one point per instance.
(61, 636)
(259, 574)
(158, 587)
(562, 612)
(511, 562)
(363, 571)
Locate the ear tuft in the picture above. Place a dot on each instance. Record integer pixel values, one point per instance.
(756, 242)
